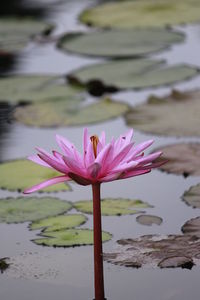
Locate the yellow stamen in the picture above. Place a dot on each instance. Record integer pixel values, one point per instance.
(94, 139)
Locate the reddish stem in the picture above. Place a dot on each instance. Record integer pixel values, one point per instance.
(98, 254)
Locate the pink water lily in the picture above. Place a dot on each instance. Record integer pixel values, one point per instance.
(100, 161)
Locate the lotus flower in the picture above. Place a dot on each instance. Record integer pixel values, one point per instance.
(100, 162)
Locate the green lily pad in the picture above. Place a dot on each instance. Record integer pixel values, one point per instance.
(15, 33)
(35, 88)
(66, 113)
(149, 220)
(59, 223)
(70, 238)
(120, 43)
(132, 74)
(17, 175)
(192, 196)
(142, 13)
(176, 114)
(182, 159)
(192, 228)
(24, 209)
(171, 251)
(113, 207)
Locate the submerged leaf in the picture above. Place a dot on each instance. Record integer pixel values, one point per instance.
(171, 251)
(59, 222)
(70, 238)
(149, 220)
(120, 43)
(192, 227)
(192, 196)
(182, 159)
(66, 113)
(24, 209)
(176, 114)
(145, 13)
(17, 175)
(113, 207)
(131, 74)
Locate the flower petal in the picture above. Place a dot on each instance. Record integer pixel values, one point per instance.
(39, 161)
(79, 179)
(149, 158)
(54, 164)
(74, 166)
(134, 173)
(46, 183)
(94, 170)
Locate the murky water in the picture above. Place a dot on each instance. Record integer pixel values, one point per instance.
(49, 274)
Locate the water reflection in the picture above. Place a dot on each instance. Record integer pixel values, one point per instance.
(8, 62)
(21, 8)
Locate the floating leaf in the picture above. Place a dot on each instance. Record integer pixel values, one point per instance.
(192, 228)
(17, 175)
(63, 113)
(171, 251)
(23, 209)
(192, 196)
(149, 220)
(113, 207)
(182, 159)
(177, 114)
(15, 33)
(145, 13)
(131, 73)
(120, 43)
(35, 88)
(59, 222)
(70, 238)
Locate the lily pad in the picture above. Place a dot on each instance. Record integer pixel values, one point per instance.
(170, 251)
(145, 13)
(177, 115)
(27, 89)
(68, 113)
(120, 43)
(70, 238)
(17, 175)
(192, 196)
(59, 222)
(15, 33)
(182, 159)
(131, 74)
(113, 207)
(25, 209)
(149, 220)
(192, 228)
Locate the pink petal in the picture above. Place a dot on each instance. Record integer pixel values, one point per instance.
(73, 166)
(103, 157)
(102, 139)
(85, 141)
(139, 148)
(120, 156)
(134, 173)
(46, 183)
(125, 167)
(65, 145)
(54, 164)
(37, 160)
(89, 156)
(149, 158)
(94, 170)
(79, 179)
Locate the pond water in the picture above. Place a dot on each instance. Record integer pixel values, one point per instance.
(52, 273)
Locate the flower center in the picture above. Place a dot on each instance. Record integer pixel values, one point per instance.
(94, 140)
